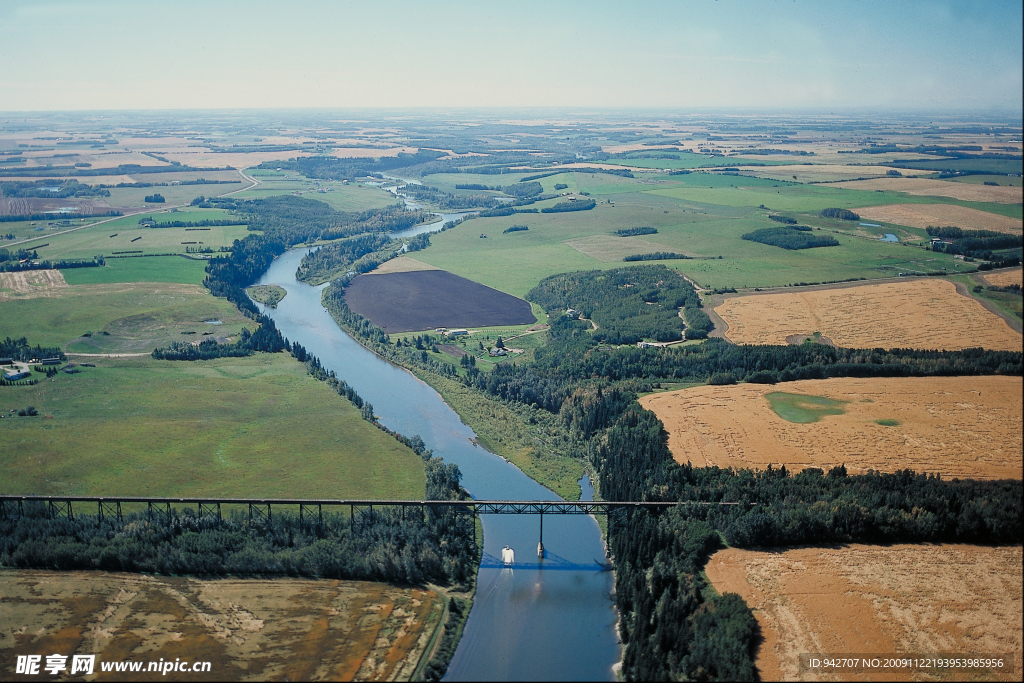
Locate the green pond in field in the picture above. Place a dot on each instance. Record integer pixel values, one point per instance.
(801, 408)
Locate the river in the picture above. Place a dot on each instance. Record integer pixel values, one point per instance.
(549, 619)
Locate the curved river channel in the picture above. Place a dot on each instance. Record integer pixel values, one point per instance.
(549, 619)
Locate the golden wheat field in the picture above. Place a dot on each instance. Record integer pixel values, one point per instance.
(915, 314)
(402, 264)
(900, 599)
(249, 629)
(940, 188)
(1005, 278)
(923, 215)
(967, 427)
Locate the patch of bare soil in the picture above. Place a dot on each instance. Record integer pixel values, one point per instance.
(859, 599)
(402, 264)
(916, 314)
(30, 284)
(249, 629)
(967, 427)
(1005, 278)
(940, 188)
(923, 215)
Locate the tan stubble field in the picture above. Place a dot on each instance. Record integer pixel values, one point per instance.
(967, 427)
(914, 314)
(860, 599)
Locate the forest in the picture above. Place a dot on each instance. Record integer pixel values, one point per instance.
(578, 205)
(972, 243)
(791, 237)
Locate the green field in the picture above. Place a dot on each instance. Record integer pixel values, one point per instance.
(801, 408)
(134, 197)
(144, 269)
(130, 236)
(136, 317)
(697, 228)
(351, 197)
(246, 427)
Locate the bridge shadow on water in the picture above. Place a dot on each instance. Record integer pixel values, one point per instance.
(552, 562)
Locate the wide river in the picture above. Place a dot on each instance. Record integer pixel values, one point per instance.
(549, 619)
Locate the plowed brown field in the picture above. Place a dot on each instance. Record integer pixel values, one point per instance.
(939, 188)
(915, 314)
(904, 599)
(956, 426)
(248, 629)
(923, 215)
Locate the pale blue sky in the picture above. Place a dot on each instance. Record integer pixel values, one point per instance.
(783, 54)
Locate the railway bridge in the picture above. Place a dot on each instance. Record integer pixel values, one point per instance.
(462, 513)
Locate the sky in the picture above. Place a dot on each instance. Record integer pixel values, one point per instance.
(936, 55)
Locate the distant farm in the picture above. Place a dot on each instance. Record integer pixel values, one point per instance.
(428, 299)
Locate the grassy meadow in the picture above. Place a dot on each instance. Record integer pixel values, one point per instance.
(121, 318)
(584, 240)
(351, 197)
(146, 269)
(247, 427)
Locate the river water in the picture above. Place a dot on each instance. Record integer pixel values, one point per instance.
(542, 619)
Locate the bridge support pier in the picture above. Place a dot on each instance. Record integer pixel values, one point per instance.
(540, 545)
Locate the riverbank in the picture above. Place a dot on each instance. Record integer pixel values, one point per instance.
(522, 436)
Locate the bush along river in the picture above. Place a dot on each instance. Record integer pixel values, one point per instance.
(541, 619)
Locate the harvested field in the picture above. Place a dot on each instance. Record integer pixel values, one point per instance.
(923, 215)
(248, 629)
(29, 284)
(967, 427)
(915, 314)
(610, 248)
(860, 599)
(940, 188)
(816, 173)
(1005, 278)
(402, 264)
(427, 299)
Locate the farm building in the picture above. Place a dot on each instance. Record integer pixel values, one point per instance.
(6, 361)
(456, 333)
(496, 352)
(51, 361)
(14, 376)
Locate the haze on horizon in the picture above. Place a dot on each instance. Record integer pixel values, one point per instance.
(782, 55)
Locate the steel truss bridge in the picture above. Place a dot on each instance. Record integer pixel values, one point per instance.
(311, 511)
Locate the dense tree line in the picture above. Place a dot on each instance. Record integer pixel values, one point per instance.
(266, 339)
(14, 265)
(628, 305)
(447, 200)
(249, 258)
(578, 205)
(515, 228)
(655, 256)
(973, 243)
(337, 168)
(791, 237)
(19, 349)
(782, 219)
(839, 214)
(522, 190)
(633, 232)
(383, 545)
